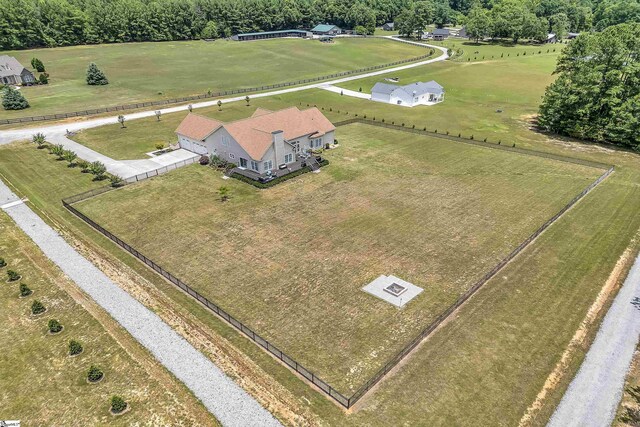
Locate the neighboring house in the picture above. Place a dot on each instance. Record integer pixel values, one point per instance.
(388, 26)
(13, 73)
(271, 35)
(409, 95)
(463, 33)
(572, 36)
(440, 34)
(326, 30)
(262, 143)
(551, 38)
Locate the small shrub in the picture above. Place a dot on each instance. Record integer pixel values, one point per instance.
(413, 126)
(118, 404)
(3, 263)
(75, 347)
(364, 117)
(459, 135)
(39, 139)
(12, 275)
(382, 120)
(499, 141)
(335, 141)
(403, 124)
(204, 160)
(471, 137)
(223, 192)
(83, 165)
(24, 290)
(159, 145)
(54, 326)
(485, 140)
(37, 307)
(435, 131)
(94, 374)
(116, 181)
(98, 169)
(514, 145)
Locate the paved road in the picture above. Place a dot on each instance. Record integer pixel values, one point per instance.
(594, 394)
(230, 404)
(59, 129)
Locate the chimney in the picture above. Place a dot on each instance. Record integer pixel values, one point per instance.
(277, 137)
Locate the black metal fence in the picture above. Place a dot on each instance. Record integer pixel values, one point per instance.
(210, 95)
(347, 402)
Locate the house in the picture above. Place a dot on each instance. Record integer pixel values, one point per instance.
(388, 26)
(263, 143)
(551, 38)
(440, 34)
(13, 73)
(462, 33)
(271, 35)
(326, 30)
(572, 36)
(409, 95)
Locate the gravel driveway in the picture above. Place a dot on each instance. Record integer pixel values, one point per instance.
(229, 403)
(594, 394)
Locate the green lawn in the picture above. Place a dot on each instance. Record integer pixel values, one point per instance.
(155, 71)
(436, 213)
(42, 385)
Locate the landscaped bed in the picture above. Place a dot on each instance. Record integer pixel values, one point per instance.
(290, 261)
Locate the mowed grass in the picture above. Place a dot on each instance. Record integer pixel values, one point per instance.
(290, 261)
(154, 71)
(42, 385)
(474, 94)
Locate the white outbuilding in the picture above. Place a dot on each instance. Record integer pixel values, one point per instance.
(410, 95)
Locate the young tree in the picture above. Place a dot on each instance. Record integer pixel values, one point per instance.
(158, 114)
(247, 99)
(478, 23)
(37, 307)
(58, 151)
(223, 192)
(121, 119)
(24, 290)
(69, 156)
(12, 99)
(118, 404)
(94, 374)
(3, 263)
(39, 139)
(54, 326)
(75, 347)
(219, 105)
(98, 169)
(95, 77)
(43, 78)
(12, 276)
(37, 65)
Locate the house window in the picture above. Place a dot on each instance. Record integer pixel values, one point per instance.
(243, 162)
(225, 141)
(254, 165)
(317, 142)
(232, 156)
(288, 158)
(268, 165)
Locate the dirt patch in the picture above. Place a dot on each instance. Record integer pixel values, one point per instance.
(579, 338)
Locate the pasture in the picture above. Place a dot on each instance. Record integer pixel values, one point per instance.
(290, 261)
(42, 385)
(139, 72)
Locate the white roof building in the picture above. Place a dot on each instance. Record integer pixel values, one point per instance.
(410, 95)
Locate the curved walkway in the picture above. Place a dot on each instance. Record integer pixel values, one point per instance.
(60, 129)
(227, 401)
(594, 394)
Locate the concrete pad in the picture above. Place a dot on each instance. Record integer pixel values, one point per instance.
(378, 287)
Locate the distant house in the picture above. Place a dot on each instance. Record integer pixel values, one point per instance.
(263, 143)
(13, 73)
(326, 30)
(440, 34)
(271, 35)
(409, 95)
(388, 26)
(572, 36)
(551, 38)
(462, 33)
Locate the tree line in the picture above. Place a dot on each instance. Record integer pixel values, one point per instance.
(49, 23)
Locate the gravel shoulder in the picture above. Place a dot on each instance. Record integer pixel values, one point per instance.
(228, 402)
(593, 396)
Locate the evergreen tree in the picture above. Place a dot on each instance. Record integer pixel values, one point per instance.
(95, 76)
(12, 99)
(37, 65)
(597, 93)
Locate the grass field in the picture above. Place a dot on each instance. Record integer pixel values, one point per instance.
(42, 385)
(487, 366)
(436, 213)
(153, 71)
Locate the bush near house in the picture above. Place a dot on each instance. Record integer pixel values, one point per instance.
(94, 374)
(12, 99)
(54, 326)
(75, 347)
(118, 404)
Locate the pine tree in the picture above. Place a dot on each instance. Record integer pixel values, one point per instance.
(95, 76)
(12, 99)
(38, 65)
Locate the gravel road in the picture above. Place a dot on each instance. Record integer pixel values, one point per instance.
(229, 403)
(594, 394)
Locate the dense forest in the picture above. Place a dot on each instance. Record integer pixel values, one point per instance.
(48, 23)
(597, 93)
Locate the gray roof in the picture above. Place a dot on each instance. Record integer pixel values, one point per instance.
(389, 24)
(419, 88)
(441, 32)
(9, 66)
